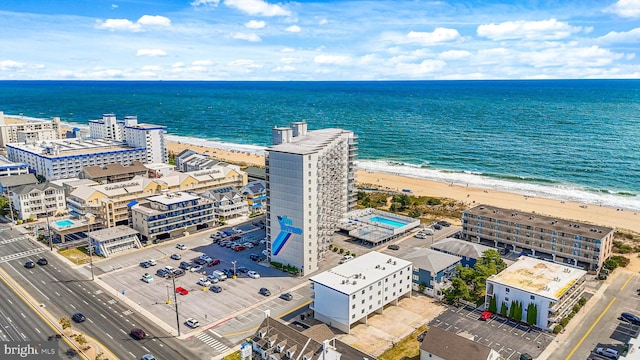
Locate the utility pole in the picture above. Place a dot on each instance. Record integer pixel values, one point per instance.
(90, 219)
(49, 229)
(175, 298)
(13, 221)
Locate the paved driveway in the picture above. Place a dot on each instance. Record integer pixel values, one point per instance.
(504, 336)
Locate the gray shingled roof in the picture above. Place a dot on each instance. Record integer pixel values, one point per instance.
(464, 248)
(25, 189)
(17, 180)
(431, 260)
(450, 346)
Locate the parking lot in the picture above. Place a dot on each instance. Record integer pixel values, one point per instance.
(504, 336)
(124, 274)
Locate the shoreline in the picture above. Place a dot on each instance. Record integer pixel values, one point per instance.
(618, 218)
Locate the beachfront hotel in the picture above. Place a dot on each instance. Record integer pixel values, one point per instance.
(548, 289)
(29, 132)
(349, 293)
(565, 241)
(310, 186)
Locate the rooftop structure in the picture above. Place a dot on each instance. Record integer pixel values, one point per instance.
(564, 241)
(7, 183)
(348, 293)
(310, 186)
(110, 240)
(372, 226)
(467, 250)
(441, 344)
(111, 173)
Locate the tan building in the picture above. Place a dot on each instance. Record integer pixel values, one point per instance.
(112, 173)
(110, 202)
(564, 241)
(29, 132)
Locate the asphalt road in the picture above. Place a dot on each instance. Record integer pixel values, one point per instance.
(65, 291)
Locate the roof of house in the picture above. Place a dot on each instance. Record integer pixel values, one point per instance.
(25, 189)
(450, 346)
(114, 169)
(254, 187)
(539, 277)
(17, 180)
(431, 260)
(467, 249)
(115, 232)
(256, 172)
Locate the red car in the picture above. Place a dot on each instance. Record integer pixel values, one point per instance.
(213, 262)
(486, 315)
(239, 248)
(182, 290)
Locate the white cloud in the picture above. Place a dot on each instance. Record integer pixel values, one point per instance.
(286, 68)
(454, 55)
(247, 37)
(323, 21)
(118, 24)
(332, 60)
(257, 7)
(10, 65)
(631, 36)
(128, 25)
(625, 8)
(179, 64)
(438, 36)
(114, 6)
(551, 29)
(245, 65)
(255, 24)
(290, 60)
(426, 67)
(151, 68)
(293, 29)
(205, 2)
(288, 50)
(592, 56)
(151, 52)
(202, 63)
(154, 20)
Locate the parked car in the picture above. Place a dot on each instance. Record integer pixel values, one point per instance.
(213, 262)
(608, 352)
(78, 317)
(215, 288)
(145, 264)
(264, 292)
(152, 262)
(631, 318)
(219, 275)
(253, 274)
(486, 315)
(176, 256)
(206, 258)
(42, 261)
(393, 247)
(138, 333)
(286, 296)
(147, 278)
(437, 227)
(185, 265)
(200, 261)
(256, 257)
(181, 247)
(182, 291)
(196, 268)
(29, 264)
(178, 273)
(444, 223)
(228, 272)
(212, 278)
(239, 247)
(192, 323)
(242, 270)
(345, 259)
(427, 231)
(162, 272)
(236, 230)
(420, 236)
(248, 245)
(265, 252)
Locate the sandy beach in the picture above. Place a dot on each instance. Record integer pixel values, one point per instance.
(601, 215)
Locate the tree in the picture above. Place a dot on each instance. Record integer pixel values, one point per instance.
(459, 290)
(100, 356)
(512, 310)
(518, 311)
(503, 309)
(82, 341)
(65, 323)
(492, 257)
(532, 314)
(493, 305)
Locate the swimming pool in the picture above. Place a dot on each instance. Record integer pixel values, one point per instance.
(385, 221)
(63, 223)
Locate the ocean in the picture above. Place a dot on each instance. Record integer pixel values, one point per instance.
(574, 140)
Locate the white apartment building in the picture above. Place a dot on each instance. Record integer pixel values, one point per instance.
(112, 240)
(167, 215)
(62, 159)
(39, 200)
(310, 186)
(552, 288)
(227, 203)
(110, 128)
(29, 132)
(348, 293)
(10, 168)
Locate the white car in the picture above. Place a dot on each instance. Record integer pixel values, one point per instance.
(147, 278)
(192, 323)
(206, 257)
(236, 230)
(152, 262)
(196, 268)
(204, 282)
(181, 246)
(248, 245)
(212, 278)
(253, 274)
(265, 252)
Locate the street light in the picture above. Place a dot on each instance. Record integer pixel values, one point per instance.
(234, 268)
(90, 220)
(49, 229)
(175, 299)
(168, 296)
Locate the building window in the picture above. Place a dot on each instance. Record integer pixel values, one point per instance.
(532, 297)
(506, 289)
(353, 306)
(362, 292)
(506, 299)
(353, 316)
(353, 296)
(363, 301)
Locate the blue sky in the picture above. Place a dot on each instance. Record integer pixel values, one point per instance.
(318, 40)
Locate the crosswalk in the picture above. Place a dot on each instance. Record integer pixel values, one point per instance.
(21, 254)
(209, 340)
(6, 241)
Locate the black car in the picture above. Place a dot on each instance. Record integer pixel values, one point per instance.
(394, 247)
(145, 264)
(264, 292)
(215, 288)
(243, 270)
(138, 334)
(200, 261)
(185, 265)
(633, 319)
(286, 296)
(162, 272)
(29, 264)
(42, 261)
(444, 223)
(178, 273)
(254, 257)
(78, 317)
(437, 227)
(228, 272)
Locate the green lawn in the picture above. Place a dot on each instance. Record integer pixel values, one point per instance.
(407, 349)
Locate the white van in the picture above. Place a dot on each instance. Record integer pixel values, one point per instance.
(427, 231)
(608, 352)
(345, 259)
(219, 275)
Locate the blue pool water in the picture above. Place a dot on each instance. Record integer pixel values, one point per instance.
(64, 223)
(385, 221)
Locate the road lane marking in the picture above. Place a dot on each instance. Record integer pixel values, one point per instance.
(626, 282)
(575, 348)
